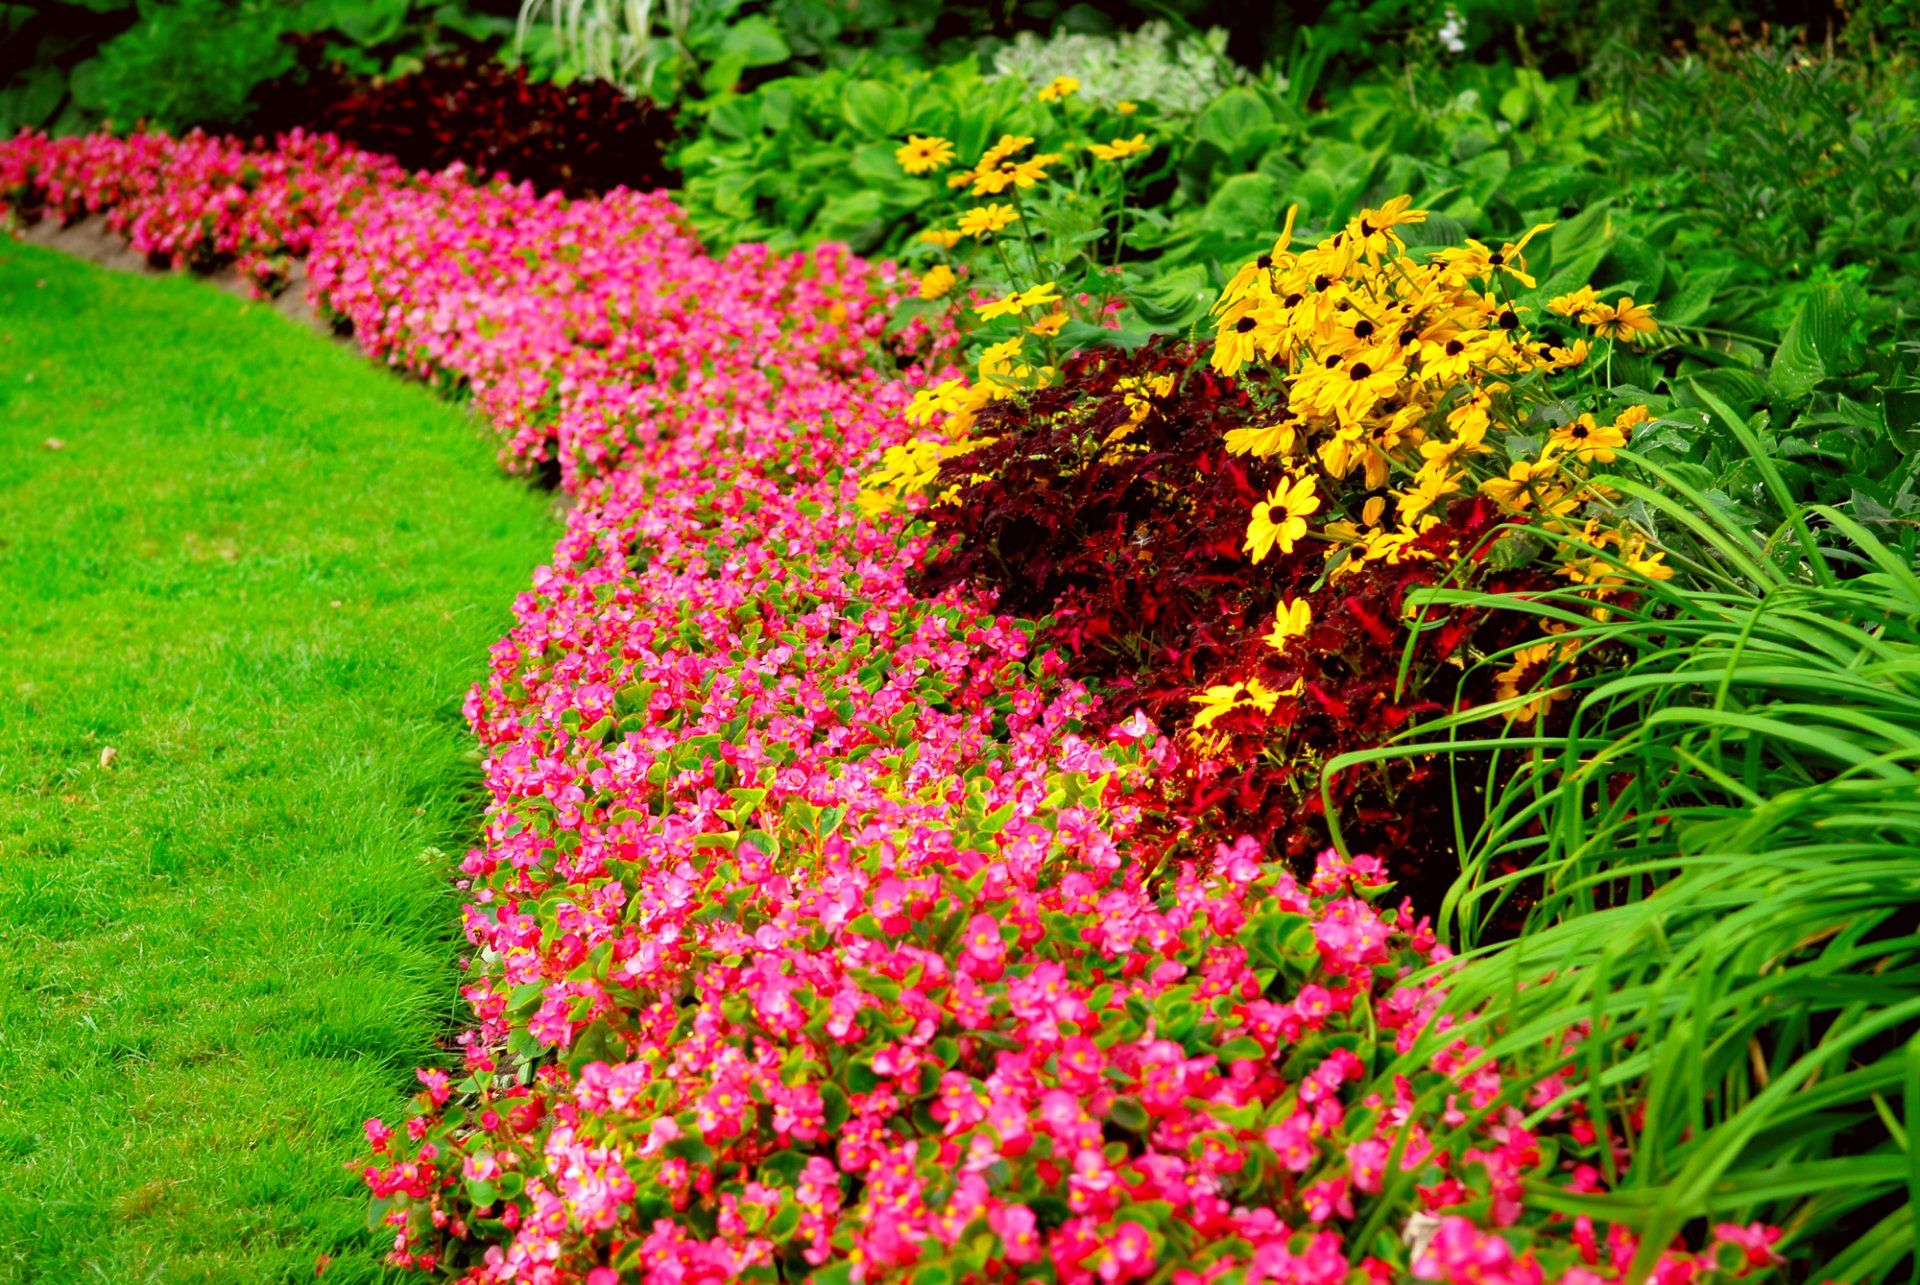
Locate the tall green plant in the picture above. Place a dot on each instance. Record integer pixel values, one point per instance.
(1719, 859)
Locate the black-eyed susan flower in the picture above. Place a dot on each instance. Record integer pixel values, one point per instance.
(1626, 321)
(938, 282)
(1120, 148)
(1241, 331)
(1280, 520)
(1573, 304)
(1049, 325)
(991, 181)
(1058, 88)
(984, 220)
(1476, 260)
(1223, 698)
(1567, 358)
(1290, 620)
(1536, 673)
(1523, 485)
(1274, 439)
(1006, 306)
(1433, 483)
(1587, 440)
(1347, 389)
(1036, 296)
(1373, 230)
(923, 155)
(1348, 531)
(1009, 145)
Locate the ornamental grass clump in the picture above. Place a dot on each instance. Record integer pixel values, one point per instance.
(1720, 844)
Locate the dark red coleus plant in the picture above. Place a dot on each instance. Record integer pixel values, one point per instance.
(1126, 531)
(584, 138)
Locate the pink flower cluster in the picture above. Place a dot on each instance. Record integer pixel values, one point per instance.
(806, 940)
(195, 202)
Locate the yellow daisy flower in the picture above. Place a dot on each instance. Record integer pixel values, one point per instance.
(1290, 620)
(938, 282)
(984, 220)
(1120, 148)
(923, 155)
(1280, 520)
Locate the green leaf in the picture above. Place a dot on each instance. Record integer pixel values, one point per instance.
(723, 73)
(756, 41)
(1808, 351)
(1241, 1049)
(1245, 205)
(874, 108)
(690, 1149)
(371, 22)
(1239, 123)
(1630, 257)
(1695, 298)
(1129, 1114)
(1175, 298)
(1576, 237)
(1515, 103)
(833, 1106)
(736, 118)
(784, 1165)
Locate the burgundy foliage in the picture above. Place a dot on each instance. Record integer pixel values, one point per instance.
(584, 138)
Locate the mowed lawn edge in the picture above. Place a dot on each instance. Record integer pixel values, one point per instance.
(257, 574)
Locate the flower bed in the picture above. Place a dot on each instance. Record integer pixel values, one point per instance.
(807, 938)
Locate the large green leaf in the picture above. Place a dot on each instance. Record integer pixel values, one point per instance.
(1693, 300)
(874, 108)
(756, 41)
(1174, 299)
(1239, 123)
(1246, 204)
(1808, 350)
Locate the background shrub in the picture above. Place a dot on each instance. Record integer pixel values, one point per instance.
(75, 64)
(580, 138)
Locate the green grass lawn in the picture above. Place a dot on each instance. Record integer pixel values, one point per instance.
(264, 572)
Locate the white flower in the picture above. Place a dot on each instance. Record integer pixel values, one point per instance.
(1419, 1232)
